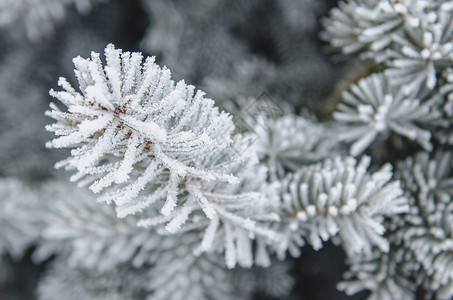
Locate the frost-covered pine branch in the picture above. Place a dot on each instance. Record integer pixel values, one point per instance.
(133, 129)
(361, 26)
(421, 240)
(339, 198)
(236, 216)
(188, 204)
(286, 143)
(373, 108)
(412, 38)
(381, 273)
(427, 233)
(163, 152)
(425, 49)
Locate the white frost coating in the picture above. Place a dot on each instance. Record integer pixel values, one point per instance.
(339, 197)
(290, 141)
(373, 108)
(131, 116)
(413, 38)
(163, 152)
(427, 229)
(421, 245)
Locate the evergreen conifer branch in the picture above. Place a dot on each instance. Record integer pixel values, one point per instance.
(187, 203)
(421, 243)
(412, 38)
(373, 108)
(134, 131)
(339, 197)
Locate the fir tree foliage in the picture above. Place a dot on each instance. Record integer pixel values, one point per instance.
(381, 274)
(411, 37)
(237, 215)
(288, 142)
(130, 115)
(158, 147)
(412, 40)
(167, 155)
(420, 240)
(339, 197)
(427, 231)
(187, 202)
(373, 108)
